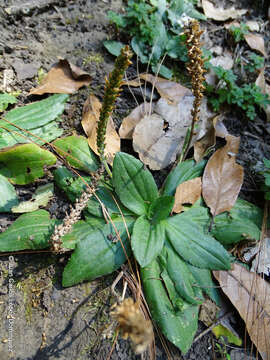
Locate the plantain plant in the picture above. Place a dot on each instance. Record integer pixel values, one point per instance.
(125, 215)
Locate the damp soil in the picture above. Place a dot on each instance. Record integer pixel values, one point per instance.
(52, 322)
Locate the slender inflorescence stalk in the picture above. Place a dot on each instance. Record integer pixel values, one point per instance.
(75, 214)
(112, 90)
(196, 70)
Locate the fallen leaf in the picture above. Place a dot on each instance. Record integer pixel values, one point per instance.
(206, 143)
(223, 178)
(250, 295)
(261, 83)
(159, 138)
(261, 263)
(187, 193)
(63, 78)
(130, 121)
(208, 312)
(220, 14)
(169, 90)
(90, 119)
(256, 42)
(41, 197)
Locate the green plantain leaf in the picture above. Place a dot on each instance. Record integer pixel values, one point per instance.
(74, 186)
(161, 208)
(147, 240)
(181, 276)
(178, 326)
(114, 47)
(204, 280)
(230, 231)
(5, 100)
(97, 253)
(195, 247)
(135, 186)
(81, 156)
(184, 171)
(29, 231)
(243, 209)
(23, 163)
(39, 117)
(8, 197)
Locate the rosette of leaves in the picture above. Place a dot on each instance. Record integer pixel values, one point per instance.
(175, 253)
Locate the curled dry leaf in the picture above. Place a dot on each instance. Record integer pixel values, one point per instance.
(220, 14)
(261, 263)
(250, 295)
(256, 42)
(90, 119)
(223, 177)
(130, 121)
(63, 78)
(206, 143)
(260, 82)
(187, 193)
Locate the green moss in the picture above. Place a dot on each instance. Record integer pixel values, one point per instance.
(96, 58)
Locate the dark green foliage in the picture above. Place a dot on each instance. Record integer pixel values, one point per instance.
(154, 27)
(238, 32)
(246, 97)
(255, 62)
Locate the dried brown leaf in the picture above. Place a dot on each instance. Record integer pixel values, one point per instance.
(129, 122)
(255, 42)
(90, 119)
(261, 83)
(203, 145)
(223, 177)
(159, 138)
(250, 295)
(220, 14)
(63, 78)
(187, 193)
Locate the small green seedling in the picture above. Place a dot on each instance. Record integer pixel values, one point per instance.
(238, 32)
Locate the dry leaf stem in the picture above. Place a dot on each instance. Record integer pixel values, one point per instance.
(112, 90)
(196, 70)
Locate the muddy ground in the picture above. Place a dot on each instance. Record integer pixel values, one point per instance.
(51, 322)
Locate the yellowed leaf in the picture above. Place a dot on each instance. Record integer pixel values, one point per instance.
(255, 42)
(250, 294)
(187, 193)
(220, 14)
(136, 115)
(90, 119)
(223, 177)
(63, 78)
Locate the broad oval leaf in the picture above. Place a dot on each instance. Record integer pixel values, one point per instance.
(222, 178)
(114, 47)
(29, 231)
(178, 326)
(8, 197)
(75, 150)
(161, 208)
(195, 247)
(98, 253)
(135, 186)
(23, 163)
(182, 278)
(146, 240)
(184, 171)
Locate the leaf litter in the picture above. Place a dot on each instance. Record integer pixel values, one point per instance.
(221, 14)
(63, 78)
(159, 135)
